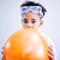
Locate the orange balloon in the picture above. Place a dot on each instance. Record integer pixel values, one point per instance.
(25, 44)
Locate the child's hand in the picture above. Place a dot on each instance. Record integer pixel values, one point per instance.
(2, 52)
(50, 53)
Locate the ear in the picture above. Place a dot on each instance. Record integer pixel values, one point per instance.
(41, 22)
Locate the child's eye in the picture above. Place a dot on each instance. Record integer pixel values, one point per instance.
(25, 21)
(33, 22)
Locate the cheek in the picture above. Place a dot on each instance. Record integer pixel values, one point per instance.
(36, 26)
(23, 26)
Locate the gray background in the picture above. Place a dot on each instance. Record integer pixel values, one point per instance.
(10, 20)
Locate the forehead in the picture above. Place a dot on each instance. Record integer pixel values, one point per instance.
(31, 15)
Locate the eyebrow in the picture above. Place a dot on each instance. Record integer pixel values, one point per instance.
(34, 19)
(31, 19)
(25, 19)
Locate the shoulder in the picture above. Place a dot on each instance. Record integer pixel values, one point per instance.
(47, 38)
(49, 41)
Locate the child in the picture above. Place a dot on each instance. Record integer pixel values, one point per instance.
(32, 14)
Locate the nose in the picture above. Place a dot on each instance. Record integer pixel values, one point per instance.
(29, 25)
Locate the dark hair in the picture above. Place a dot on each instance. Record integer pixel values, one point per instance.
(30, 3)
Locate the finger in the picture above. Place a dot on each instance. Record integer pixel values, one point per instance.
(50, 55)
(50, 51)
(50, 47)
(2, 58)
(2, 52)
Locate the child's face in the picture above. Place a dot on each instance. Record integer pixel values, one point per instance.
(31, 20)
